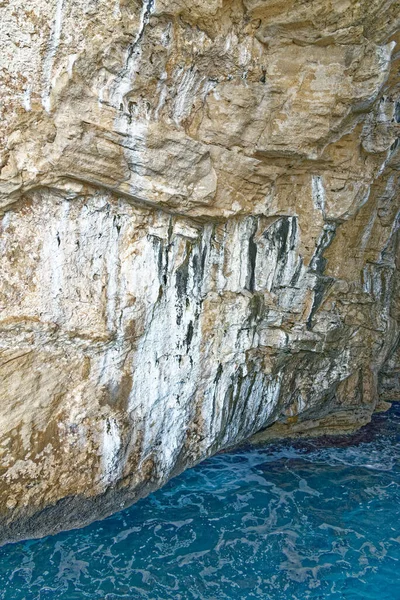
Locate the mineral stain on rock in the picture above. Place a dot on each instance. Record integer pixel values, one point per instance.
(199, 210)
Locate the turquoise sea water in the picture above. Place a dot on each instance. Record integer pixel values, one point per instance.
(293, 522)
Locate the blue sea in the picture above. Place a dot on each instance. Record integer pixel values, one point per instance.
(294, 521)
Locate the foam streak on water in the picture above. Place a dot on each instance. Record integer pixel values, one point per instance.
(290, 522)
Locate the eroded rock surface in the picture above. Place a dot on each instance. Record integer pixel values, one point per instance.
(199, 237)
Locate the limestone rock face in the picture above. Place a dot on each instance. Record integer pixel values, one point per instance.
(199, 209)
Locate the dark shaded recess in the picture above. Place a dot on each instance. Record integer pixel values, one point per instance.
(218, 374)
(297, 273)
(203, 259)
(189, 335)
(318, 262)
(389, 251)
(287, 235)
(198, 258)
(297, 381)
(146, 16)
(216, 382)
(179, 314)
(252, 257)
(167, 249)
(395, 145)
(397, 112)
(116, 224)
(257, 310)
(158, 246)
(182, 278)
(231, 399)
(385, 273)
(367, 434)
(321, 287)
(282, 235)
(318, 265)
(198, 263)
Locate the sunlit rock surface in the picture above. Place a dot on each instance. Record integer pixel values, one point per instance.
(199, 226)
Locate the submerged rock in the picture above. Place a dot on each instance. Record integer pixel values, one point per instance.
(199, 238)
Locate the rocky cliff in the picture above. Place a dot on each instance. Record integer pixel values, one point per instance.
(199, 222)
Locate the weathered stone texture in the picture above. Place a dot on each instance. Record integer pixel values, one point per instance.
(199, 237)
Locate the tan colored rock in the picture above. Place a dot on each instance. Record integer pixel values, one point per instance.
(199, 238)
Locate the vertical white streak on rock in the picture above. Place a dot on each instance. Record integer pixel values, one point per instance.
(59, 254)
(277, 256)
(292, 253)
(51, 52)
(100, 236)
(54, 246)
(395, 227)
(103, 90)
(147, 9)
(365, 199)
(244, 55)
(5, 221)
(112, 261)
(166, 35)
(218, 254)
(301, 404)
(231, 41)
(368, 230)
(71, 61)
(26, 99)
(186, 90)
(166, 366)
(318, 192)
(110, 450)
(236, 245)
(384, 54)
(4, 224)
(134, 128)
(110, 369)
(269, 400)
(100, 96)
(133, 53)
(367, 279)
(117, 10)
(208, 86)
(163, 90)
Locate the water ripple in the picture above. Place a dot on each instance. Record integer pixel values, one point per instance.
(304, 521)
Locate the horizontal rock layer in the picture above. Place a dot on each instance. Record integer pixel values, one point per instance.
(199, 238)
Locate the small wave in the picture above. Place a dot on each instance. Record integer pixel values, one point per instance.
(306, 520)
